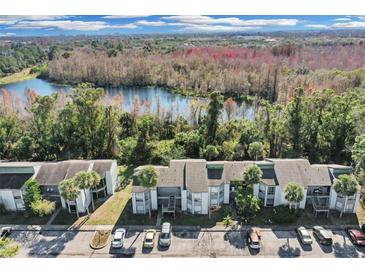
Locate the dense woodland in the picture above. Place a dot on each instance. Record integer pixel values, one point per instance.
(270, 72)
(309, 100)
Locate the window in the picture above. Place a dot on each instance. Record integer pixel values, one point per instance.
(139, 197)
(271, 190)
(221, 193)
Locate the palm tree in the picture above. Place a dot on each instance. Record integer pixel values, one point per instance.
(294, 193)
(148, 178)
(346, 185)
(70, 190)
(252, 175)
(88, 181)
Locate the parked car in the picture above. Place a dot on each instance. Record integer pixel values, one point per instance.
(118, 238)
(254, 239)
(356, 236)
(149, 238)
(5, 232)
(324, 236)
(304, 235)
(165, 235)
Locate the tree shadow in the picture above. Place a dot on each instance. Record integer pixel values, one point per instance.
(52, 247)
(186, 234)
(236, 239)
(287, 251)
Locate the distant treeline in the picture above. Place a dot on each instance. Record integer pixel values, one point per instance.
(268, 72)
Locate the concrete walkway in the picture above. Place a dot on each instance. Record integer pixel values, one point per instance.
(176, 228)
(54, 215)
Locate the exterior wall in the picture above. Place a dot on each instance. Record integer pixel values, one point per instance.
(183, 200)
(302, 203)
(205, 203)
(226, 193)
(256, 190)
(7, 199)
(153, 193)
(83, 201)
(111, 178)
(333, 198)
(278, 196)
(357, 201)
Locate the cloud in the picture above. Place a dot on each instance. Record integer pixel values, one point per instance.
(317, 26)
(12, 19)
(234, 21)
(7, 34)
(123, 16)
(342, 19)
(216, 28)
(69, 25)
(150, 23)
(353, 24)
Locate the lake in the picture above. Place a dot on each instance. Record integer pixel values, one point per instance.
(145, 96)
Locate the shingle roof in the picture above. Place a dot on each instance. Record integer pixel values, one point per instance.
(102, 166)
(54, 173)
(196, 175)
(292, 170)
(320, 176)
(14, 181)
(234, 170)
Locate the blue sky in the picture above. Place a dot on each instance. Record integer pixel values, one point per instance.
(43, 25)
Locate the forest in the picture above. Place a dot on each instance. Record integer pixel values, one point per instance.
(270, 71)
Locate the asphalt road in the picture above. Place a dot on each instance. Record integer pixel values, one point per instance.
(184, 244)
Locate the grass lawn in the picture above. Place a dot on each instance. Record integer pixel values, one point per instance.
(117, 209)
(22, 219)
(216, 218)
(307, 218)
(18, 76)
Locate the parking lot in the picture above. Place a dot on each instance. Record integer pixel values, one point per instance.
(275, 243)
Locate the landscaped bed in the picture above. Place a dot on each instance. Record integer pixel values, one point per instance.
(22, 219)
(100, 239)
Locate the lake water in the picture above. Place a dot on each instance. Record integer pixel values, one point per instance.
(152, 96)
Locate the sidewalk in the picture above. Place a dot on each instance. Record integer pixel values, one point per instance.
(176, 228)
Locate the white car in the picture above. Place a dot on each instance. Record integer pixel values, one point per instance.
(118, 239)
(149, 238)
(165, 235)
(304, 235)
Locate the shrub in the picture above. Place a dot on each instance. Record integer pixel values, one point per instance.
(31, 194)
(8, 248)
(285, 215)
(43, 207)
(2, 209)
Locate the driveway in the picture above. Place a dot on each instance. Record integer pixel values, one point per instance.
(275, 243)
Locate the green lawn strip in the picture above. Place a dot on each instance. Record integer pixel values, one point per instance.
(18, 76)
(22, 219)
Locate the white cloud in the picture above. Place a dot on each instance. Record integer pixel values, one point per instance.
(353, 24)
(342, 19)
(150, 23)
(124, 16)
(69, 25)
(234, 21)
(12, 19)
(7, 34)
(317, 26)
(216, 28)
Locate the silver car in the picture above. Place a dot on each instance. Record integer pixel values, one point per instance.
(304, 235)
(118, 239)
(165, 235)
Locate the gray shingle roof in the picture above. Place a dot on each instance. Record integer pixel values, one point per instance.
(102, 166)
(196, 175)
(320, 176)
(292, 170)
(14, 181)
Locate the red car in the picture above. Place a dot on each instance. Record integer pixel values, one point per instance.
(356, 236)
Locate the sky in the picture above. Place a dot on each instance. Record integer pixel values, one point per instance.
(45, 25)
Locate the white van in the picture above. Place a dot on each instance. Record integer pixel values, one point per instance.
(165, 235)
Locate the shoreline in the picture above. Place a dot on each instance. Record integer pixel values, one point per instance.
(22, 75)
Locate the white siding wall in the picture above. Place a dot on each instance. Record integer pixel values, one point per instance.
(183, 200)
(134, 203)
(7, 199)
(333, 198)
(302, 203)
(278, 196)
(153, 199)
(226, 193)
(357, 201)
(256, 189)
(205, 203)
